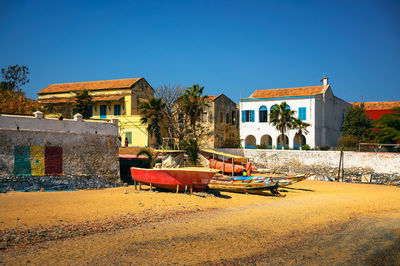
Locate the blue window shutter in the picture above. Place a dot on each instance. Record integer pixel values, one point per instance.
(243, 116)
(117, 109)
(103, 111)
(252, 116)
(302, 113)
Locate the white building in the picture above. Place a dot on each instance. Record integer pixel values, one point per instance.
(315, 105)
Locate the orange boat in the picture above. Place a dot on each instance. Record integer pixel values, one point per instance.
(226, 167)
(174, 178)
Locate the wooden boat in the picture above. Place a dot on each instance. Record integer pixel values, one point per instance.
(245, 184)
(180, 179)
(228, 163)
(284, 182)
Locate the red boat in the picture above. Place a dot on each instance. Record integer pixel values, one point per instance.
(174, 178)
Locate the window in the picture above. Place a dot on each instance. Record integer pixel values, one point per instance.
(103, 111)
(263, 111)
(117, 109)
(227, 118)
(91, 111)
(233, 117)
(221, 117)
(128, 135)
(248, 116)
(204, 119)
(302, 113)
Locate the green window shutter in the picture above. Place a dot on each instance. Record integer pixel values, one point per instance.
(128, 135)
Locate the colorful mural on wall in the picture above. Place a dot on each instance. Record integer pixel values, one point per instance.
(37, 160)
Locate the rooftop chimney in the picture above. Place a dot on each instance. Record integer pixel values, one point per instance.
(324, 81)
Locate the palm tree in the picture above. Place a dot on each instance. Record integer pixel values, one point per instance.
(301, 128)
(151, 156)
(281, 117)
(193, 104)
(152, 112)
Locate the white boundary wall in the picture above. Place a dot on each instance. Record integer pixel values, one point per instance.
(75, 126)
(379, 162)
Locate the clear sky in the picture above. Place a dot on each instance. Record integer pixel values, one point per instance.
(230, 47)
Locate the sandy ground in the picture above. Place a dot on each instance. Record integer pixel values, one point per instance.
(316, 223)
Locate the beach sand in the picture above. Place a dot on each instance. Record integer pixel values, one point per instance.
(316, 223)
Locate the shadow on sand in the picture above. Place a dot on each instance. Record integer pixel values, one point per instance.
(290, 188)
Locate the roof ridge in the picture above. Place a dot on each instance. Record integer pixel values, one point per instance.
(289, 92)
(293, 87)
(92, 81)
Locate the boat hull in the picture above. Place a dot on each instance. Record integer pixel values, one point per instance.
(172, 178)
(243, 186)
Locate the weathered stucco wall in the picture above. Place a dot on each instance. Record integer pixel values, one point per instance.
(52, 154)
(325, 163)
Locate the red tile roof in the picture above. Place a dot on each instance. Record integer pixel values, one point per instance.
(288, 92)
(210, 98)
(90, 85)
(378, 105)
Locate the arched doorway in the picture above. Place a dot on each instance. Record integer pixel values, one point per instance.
(267, 141)
(250, 142)
(286, 141)
(298, 141)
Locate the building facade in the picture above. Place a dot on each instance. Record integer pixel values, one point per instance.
(111, 98)
(376, 110)
(316, 105)
(219, 122)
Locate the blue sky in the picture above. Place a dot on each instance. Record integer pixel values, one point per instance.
(230, 47)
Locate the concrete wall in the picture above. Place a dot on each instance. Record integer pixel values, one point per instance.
(57, 154)
(329, 113)
(325, 163)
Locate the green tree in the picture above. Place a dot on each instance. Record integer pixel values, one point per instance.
(191, 147)
(389, 127)
(356, 123)
(193, 104)
(83, 103)
(301, 128)
(15, 77)
(152, 112)
(282, 118)
(150, 154)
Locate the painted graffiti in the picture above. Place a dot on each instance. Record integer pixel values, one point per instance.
(37, 160)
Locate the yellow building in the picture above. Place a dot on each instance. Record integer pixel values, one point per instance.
(112, 98)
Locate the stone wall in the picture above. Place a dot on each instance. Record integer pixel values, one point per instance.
(381, 167)
(57, 154)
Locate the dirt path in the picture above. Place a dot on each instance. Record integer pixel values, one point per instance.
(317, 223)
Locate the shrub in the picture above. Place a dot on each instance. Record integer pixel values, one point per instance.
(324, 148)
(261, 146)
(349, 141)
(306, 147)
